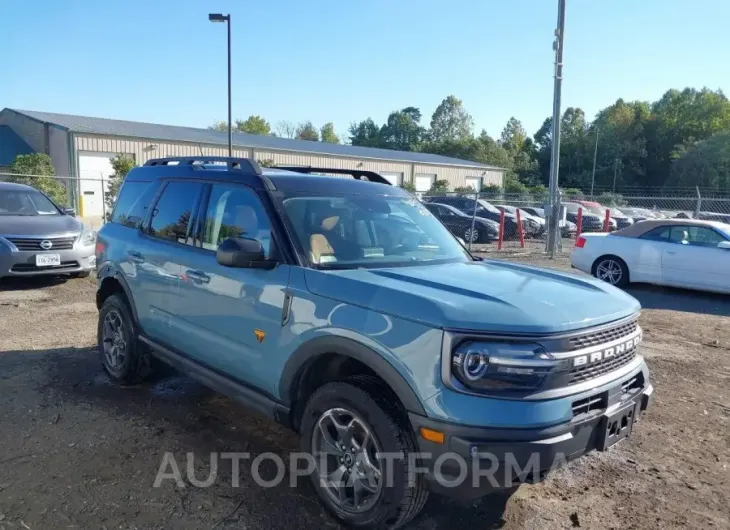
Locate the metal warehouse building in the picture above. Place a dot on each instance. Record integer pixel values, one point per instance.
(82, 147)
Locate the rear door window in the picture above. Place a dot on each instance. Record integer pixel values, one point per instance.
(172, 216)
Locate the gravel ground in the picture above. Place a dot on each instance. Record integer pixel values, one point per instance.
(79, 452)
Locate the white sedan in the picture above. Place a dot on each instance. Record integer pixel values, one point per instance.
(675, 252)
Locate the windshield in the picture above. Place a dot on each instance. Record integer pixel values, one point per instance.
(571, 207)
(597, 210)
(351, 231)
(487, 206)
(615, 212)
(724, 228)
(26, 202)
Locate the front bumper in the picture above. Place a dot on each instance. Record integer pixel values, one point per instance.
(475, 461)
(14, 263)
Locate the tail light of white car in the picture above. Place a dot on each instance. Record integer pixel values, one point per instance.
(580, 242)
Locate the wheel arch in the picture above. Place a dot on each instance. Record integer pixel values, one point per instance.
(306, 356)
(111, 281)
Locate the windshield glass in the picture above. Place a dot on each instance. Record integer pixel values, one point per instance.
(615, 212)
(571, 207)
(487, 206)
(22, 202)
(350, 231)
(724, 228)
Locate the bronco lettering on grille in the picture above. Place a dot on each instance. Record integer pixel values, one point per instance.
(607, 353)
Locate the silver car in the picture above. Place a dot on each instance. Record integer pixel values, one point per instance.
(39, 238)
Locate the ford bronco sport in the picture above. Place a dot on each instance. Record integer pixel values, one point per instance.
(344, 310)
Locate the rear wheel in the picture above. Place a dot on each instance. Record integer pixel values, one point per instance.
(345, 426)
(471, 236)
(611, 269)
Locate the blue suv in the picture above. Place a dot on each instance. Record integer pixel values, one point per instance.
(343, 309)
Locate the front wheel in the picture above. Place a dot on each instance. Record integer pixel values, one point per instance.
(347, 427)
(612, 270)
(471, 236)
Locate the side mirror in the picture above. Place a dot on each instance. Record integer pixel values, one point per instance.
(70, 211)
(724, 245)
(244, 253)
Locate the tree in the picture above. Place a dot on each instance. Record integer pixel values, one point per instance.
(705, 163)
(121, 164)
(439, 187)
(40, 165)
(365, 134)
(266, 162)
(328, 135)
(408, 186)
(450, 121)
(307, 131)
(513, 135)
(254, 124)
(286, 129)
(402, 131)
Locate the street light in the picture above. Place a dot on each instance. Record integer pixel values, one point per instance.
(217, 17)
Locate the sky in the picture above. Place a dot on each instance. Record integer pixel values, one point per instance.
(162, 61)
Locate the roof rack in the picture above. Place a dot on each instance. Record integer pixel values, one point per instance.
(358, 174)
(232, 164)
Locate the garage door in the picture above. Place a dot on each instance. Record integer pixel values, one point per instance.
(396, 179)
(93, 167)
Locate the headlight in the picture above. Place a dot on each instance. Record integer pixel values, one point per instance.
(88, 237)
(501, 366)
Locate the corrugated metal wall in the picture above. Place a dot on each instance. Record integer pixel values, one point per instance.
(142, 152)
(29, 130)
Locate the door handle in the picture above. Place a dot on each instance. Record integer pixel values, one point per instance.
(671, 252)
(197, 276)
(135, 256)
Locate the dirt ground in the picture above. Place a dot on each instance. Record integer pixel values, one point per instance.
(79, 452)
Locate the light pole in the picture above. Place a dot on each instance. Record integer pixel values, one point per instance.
(217, 17)
(595, 154)
(553, 227)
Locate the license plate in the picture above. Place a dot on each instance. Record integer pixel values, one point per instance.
(47, 260)
(617, 426)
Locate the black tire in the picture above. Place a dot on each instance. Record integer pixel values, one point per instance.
(84, 274)
(614, 263)
(475, 235)
(371, 400)
(135, 365)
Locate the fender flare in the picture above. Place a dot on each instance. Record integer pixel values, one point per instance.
(107, 272)
(311, 350)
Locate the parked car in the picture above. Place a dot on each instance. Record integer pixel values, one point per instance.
(622, 220)
(714, 216)
(486, 210)
(512, 210)
(39, 238)
(591, 222)
(617, 219)
(342, 309)
(640, 214)
(460, 224)
(675, 252)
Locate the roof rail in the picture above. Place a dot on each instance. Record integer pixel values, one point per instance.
(237, 164)
(358, 174)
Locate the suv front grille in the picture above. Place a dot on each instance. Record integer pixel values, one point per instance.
(584, 373)
(34, 244)
(604, 335)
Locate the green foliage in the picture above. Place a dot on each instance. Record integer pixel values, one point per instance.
(365, 133)
(705, 164)
(328, 135)
(573, 193)
(492, 189)
(307, 131)
(451, 121)
(121, 164)
(254, 124)
(408, 186)
(611, 199)
(464, 189)
(439, 186)
(40, 164)
(266, 162)
(403, 130)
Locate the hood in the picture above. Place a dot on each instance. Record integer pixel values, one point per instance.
(38, 225)
(491, 296)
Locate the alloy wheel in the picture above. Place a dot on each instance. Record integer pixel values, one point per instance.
(471, 236)
(609, 271)
(113, 340)
(346, 460)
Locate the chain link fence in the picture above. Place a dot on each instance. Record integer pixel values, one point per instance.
(494, 222)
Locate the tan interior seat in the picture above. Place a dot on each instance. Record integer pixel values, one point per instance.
(320, 249)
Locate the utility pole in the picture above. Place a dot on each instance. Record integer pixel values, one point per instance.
(553, 221)
(595, 154)
(615, 172)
